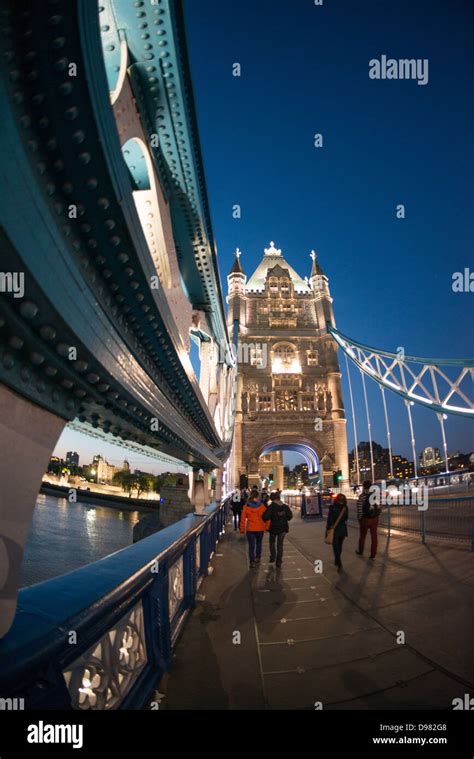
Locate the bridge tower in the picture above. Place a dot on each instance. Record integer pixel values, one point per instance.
(289, 393)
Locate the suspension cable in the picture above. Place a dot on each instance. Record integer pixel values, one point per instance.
(412, 433)
(356, 445)
(368, 424)
(389, 441)
(445, 445)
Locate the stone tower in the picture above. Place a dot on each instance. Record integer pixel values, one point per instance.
(289, 394)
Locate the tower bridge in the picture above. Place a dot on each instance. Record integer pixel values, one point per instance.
(289, 393)
(104, 211)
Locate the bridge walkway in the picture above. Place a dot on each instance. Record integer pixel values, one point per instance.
(329, 638)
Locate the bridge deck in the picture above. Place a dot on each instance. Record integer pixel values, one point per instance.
(308, 637)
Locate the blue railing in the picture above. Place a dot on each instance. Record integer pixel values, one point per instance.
(102, 636)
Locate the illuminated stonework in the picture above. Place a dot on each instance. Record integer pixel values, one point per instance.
(293, 397)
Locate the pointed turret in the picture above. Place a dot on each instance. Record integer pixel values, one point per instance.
(316, 269)
(236, 280)
(236, 266)
(320, 287)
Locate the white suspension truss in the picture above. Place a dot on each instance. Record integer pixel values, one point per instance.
(443, 385)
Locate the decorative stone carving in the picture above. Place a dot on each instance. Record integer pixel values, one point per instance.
(101, 678)
(176, 586)
(329, 400)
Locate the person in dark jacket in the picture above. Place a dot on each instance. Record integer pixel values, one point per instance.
(278, 514)
(368, 516)
(337, 519)
(239, 499)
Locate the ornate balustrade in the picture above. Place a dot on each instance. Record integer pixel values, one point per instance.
(101, 637)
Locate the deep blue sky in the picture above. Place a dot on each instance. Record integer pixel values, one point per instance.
(305, 70)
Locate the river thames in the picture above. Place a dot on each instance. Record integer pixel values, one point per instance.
(64, 536)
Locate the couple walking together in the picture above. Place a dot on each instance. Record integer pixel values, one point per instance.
(368, 518)
(258, 518)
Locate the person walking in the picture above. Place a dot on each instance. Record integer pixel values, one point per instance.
(303, 503)
(336, 527)
(238, 501)
(368, 516)
(277, 514)
(265, 497)
(252, 524)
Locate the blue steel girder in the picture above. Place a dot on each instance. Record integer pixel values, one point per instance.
(161, 82)
(86, 278)
(403, 374)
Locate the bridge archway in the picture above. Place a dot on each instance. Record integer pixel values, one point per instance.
(291, 442)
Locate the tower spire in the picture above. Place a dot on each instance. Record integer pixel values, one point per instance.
(315, 268)
(237, 267)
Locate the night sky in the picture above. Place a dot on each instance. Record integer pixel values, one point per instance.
(305, 70)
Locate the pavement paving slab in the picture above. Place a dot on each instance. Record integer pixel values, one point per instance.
(291, 638)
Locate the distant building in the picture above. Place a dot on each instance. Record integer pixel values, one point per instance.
(125, 466)
(72, 458)
(381, 458)
(270, 468)
(402, 468)
(55, 465)
(430, 457)
(460, 460)
(297, 477)
(302, 476)
(105, 471)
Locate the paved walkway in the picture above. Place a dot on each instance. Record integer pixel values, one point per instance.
(329, 638)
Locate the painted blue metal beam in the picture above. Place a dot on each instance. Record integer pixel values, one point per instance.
(87, 274)
(161, 79)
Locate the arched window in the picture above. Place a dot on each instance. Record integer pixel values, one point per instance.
(285, 351)
(285, 359)
(273, 286)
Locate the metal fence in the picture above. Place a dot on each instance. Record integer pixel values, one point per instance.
(100, 638)
(293, 500)
(449, 519)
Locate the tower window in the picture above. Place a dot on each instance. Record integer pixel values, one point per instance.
(257, 357)
(265, 403)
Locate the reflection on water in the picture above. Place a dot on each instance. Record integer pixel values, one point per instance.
(64, 536)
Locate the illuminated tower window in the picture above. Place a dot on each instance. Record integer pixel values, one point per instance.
(312, 358)
(285, 359)
(257, 357)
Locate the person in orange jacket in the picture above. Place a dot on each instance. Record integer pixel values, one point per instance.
(251, 523)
